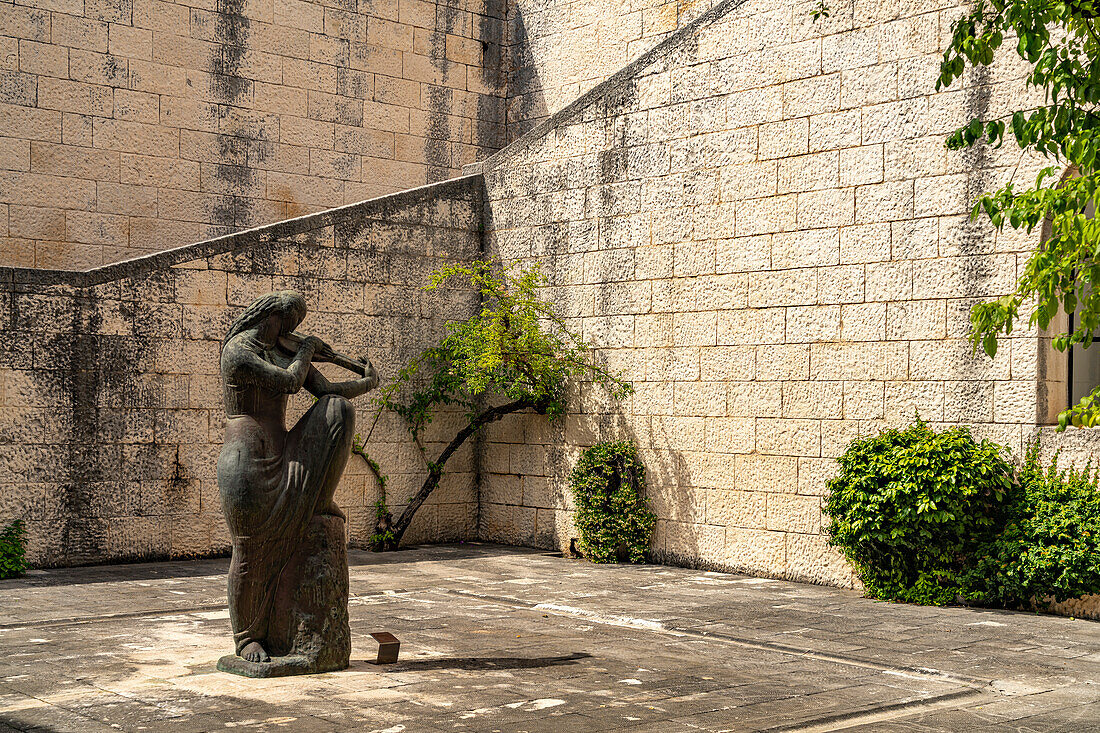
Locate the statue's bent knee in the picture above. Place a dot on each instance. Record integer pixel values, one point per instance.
(338, 413)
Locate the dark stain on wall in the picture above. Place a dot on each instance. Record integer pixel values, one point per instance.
(231, 209)
(490, 129)
(979, 174)
(437, 144)
(85, 532)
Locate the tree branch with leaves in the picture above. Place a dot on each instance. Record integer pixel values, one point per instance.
(1059, 41)
(514, 354)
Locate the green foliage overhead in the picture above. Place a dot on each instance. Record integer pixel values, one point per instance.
(910, 507)
(1059, 43)
(514, 354)
(13, 550)
(1050, 543)
(612, 517)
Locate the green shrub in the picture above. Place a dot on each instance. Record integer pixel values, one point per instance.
(1050, 543)
(12, 550)
(910, 507)
(612, 516)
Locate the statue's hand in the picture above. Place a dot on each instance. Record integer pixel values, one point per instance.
(321, 351)
(326, 352)
(370, 373)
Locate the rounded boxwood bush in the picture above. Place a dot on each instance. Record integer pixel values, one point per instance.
(614, 522)
(910, 508)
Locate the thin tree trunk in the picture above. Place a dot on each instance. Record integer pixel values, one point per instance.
(435, 470)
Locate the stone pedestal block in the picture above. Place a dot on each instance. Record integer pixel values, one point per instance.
(309, 630)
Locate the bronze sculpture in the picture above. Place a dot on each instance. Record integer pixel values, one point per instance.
(288, 578)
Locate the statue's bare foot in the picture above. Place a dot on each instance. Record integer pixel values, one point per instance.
(253, 652)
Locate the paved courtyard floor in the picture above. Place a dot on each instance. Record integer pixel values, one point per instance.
(504, 639)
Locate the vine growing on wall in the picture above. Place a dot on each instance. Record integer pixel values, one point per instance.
(13, 539)
(514, 354)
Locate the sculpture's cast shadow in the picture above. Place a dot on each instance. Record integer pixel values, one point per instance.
(481, 664)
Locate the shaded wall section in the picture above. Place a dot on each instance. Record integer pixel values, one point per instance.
(111, 413)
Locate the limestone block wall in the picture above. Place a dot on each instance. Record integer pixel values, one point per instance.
(555, 50)
(133, 126)
(111, 412)
(759, 224)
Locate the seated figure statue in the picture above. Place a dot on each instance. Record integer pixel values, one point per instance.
(288, 578)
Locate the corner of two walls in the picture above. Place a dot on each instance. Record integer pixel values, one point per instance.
(557, 50)
(111, 408)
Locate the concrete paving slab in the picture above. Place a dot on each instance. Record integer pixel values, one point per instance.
(508, 639)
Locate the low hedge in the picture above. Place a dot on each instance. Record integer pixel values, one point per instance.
(1049, 545)
(936, 517)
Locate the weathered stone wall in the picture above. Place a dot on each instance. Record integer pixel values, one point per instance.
(111, 412)
(759, 224)
(555, 50)
(132, 126)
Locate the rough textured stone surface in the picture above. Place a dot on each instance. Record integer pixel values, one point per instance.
(757, 222)
(500, 639)
(312, 634)
(111, 409)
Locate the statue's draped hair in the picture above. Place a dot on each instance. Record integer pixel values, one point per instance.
(264, 306)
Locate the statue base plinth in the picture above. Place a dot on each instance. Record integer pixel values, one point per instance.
(309, 632)
(277, 667)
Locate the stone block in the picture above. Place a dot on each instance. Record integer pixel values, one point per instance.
(904, 399)
(766, 473)
(754, 551)
(737, 508)
(809, 172)
(732, 363)
(706, 470)
(789, 437)
(730, 435)
(754, 399)
(794, 513)
(783, 362)
(784, 139)
(77, 32)
(923, 319)
(811, 559)
(813, 323)
(789, 287)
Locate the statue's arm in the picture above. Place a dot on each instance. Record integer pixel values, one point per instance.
(318, 385)
(251, 368)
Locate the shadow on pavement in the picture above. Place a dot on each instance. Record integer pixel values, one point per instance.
(483, 663)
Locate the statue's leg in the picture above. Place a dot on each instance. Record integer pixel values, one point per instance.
(321, 442)
(247, 605)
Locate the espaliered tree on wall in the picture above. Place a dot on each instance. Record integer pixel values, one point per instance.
(515, 354)
(1061, 42)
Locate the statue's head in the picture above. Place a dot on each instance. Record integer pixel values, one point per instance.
(287, 308)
